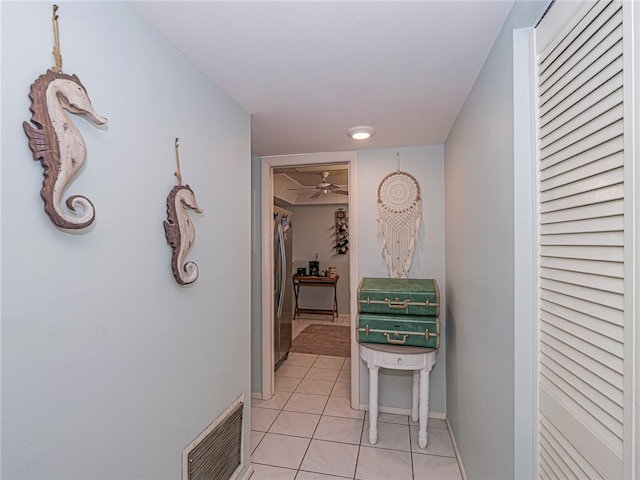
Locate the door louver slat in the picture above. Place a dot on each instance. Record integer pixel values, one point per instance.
(607, 320)
(606, 134)
(594, 47)
(564, 47)
(586, 375)
(568, 163)
(582, 172)
(597, 224)
(597, 297)
(608, 406)
(581, 326)
(584, 408)
(585, 212)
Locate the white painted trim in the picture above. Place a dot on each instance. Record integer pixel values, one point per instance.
(631, 66)
(257, 395)
(524, 220)
(455, 449)
(267, 164)
(266, 213)
(248, 473)
(400, 411)
(354, 277)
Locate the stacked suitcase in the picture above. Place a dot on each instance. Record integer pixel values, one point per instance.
(399, 311)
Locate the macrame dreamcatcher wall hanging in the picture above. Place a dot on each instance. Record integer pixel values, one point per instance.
(399, 220)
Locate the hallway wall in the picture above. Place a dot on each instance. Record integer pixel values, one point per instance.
(426, 164)
(480, 266)
(109, 367)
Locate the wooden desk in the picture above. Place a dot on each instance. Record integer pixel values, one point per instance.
(397, 357)
(310, 281)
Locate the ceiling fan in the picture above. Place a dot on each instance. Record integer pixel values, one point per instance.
(324, 187)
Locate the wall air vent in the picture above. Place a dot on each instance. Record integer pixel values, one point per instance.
(217, 453)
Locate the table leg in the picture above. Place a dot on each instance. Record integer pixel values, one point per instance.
(424, 407)
(335, 301)
(296, 290)
(415, 392)
(373, 404)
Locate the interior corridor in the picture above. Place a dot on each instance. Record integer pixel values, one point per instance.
(308, 430)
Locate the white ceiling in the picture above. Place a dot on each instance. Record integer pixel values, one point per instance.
(309, 70)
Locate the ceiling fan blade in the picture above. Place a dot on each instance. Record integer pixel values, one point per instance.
(341, 192)
(302, 188)
(317, 194)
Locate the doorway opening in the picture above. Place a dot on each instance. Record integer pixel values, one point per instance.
(311, 185)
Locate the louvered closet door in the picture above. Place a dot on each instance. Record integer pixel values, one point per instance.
(581, 247)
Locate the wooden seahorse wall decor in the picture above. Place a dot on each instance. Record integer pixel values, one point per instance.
(56, 141)
(179, 229)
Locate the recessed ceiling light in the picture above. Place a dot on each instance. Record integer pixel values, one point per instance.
(360, 133)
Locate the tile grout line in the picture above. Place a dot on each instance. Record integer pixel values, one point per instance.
(316, 429)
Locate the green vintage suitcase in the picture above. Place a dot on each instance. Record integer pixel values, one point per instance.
(399, 296)
(399, 330)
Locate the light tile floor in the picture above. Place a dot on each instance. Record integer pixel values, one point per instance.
(308, 431)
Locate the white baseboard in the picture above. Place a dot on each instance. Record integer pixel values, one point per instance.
(249, 472)
(256, 395)
(455, 448)
(438, 415)
(402, 411)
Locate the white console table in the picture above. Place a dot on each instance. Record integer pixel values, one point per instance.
(397, 357)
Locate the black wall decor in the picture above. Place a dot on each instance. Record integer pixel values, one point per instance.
(342, 232)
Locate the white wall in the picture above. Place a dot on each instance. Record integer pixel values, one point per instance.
(426, 164)
(109, 368)
(481, 269)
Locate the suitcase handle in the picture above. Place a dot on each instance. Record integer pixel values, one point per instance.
(397, 303)
(396, 342)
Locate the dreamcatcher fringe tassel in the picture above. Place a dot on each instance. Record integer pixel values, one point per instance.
(399, 216)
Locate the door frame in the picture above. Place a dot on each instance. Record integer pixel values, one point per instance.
(266, 179)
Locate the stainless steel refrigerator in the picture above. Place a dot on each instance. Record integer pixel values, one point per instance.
(283, 284)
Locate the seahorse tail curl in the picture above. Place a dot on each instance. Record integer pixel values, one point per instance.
(191, 271)
(75, 203)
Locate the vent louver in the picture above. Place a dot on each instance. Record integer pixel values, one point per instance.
(217, 452)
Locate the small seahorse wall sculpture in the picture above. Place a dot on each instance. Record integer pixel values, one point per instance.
(179, 229)
(56, 141)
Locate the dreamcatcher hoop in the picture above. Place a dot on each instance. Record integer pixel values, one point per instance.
(399, 220)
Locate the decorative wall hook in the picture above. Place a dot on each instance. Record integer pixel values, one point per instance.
(179, 229)
(177, 174)
(56, 142)
(56, 39)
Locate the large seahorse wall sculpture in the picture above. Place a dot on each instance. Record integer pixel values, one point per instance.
(56, 141)
(179, 229)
